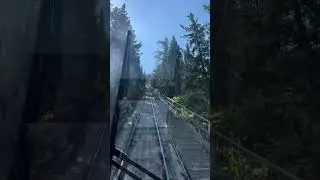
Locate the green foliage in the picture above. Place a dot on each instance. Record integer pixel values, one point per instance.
(186, 114)
(166, 75)
(120, 25)
(178, 99)
(184, 73)
(239, 165)
(119, 21)
(265, 80)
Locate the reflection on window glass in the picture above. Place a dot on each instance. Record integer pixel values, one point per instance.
(163, 124)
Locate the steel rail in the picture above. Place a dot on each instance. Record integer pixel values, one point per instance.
(125, 159)
(179, 157)
(160, 144)
(118, 174)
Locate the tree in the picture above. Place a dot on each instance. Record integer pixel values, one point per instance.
(119, 21)
(264, 55)
(185, 72)
(199, 44)
(162, 73)
(120, 25)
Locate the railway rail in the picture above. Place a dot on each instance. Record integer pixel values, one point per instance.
(139, 131)
(174, 148)
(155, 155)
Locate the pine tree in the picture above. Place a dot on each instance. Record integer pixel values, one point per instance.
(120, 25)
(262, 65)
(199, 44)
(185, 72)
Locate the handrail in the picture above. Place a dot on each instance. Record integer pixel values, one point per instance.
(197, 115)
(262, 159)
(207, 124)
(205, 140)
(201, 117)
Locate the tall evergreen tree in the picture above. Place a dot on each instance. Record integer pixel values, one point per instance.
(120, 25)
(199, 44)
(264, 65)
(185, 72)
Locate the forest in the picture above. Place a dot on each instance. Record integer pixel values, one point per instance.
(265, 85)
(182, 73)
(258, 85)
(262, 80)
(120, 25)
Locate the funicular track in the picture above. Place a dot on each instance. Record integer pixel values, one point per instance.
(149, 152)
(145, 136)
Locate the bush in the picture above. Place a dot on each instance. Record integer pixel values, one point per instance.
(241, 166)
(178, 99)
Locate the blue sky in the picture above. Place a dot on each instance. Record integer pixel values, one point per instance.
(153, 20)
